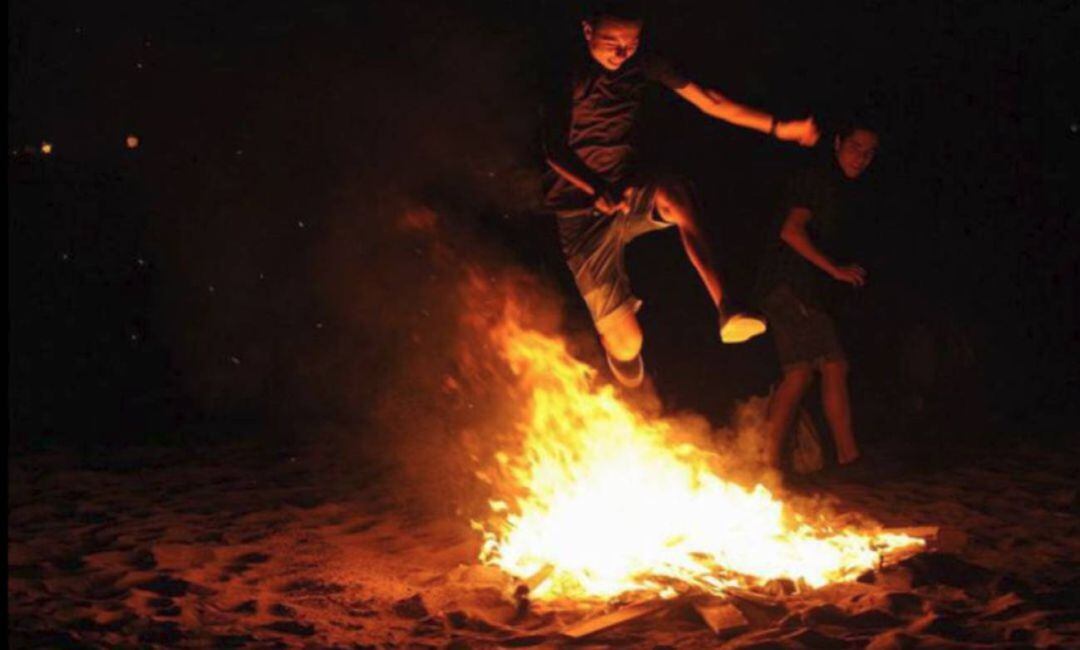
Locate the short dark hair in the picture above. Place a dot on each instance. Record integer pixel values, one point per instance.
(631, 10)
(849, 124)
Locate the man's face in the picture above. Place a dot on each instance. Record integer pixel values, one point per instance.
(855, 152)
(612, 40)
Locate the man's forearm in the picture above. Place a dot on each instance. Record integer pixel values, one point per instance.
(578, 175)
(738, 114)
(796, 237)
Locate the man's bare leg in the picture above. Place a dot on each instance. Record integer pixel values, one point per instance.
(676, 205)
(621, 335)
(837, 405)
(782, 408)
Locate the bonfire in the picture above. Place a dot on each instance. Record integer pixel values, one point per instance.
(602, 502)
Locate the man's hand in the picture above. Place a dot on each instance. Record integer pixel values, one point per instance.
(609, 206)
(803, 132)
(852, 274)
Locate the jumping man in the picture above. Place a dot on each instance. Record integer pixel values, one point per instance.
(603, 199)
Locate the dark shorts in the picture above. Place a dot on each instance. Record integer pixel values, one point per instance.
(804, 334)
(593, 245)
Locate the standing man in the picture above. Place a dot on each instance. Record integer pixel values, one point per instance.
(603, 198)
(805, 275)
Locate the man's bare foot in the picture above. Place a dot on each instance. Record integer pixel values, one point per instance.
(848, 457)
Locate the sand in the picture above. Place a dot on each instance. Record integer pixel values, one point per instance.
(235, 546)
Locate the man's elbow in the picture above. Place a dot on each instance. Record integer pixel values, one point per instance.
(719, 110)
(788, 234)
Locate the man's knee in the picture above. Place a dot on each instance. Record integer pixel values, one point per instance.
(674, 199)
(622, 337)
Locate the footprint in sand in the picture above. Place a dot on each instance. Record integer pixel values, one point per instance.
(295, 628)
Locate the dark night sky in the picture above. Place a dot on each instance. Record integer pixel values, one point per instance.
(232, 267)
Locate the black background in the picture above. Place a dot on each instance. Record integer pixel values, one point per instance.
(183, 286)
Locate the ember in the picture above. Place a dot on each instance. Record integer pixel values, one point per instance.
(602, 501)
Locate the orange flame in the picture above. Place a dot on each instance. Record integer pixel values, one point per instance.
(601, 496)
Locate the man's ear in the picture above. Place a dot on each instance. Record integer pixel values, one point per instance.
(586, 29)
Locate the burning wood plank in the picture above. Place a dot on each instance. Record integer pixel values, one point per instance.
(526, 586)
(613, 619)
(723, 618)
(942, 538)
(925, 532)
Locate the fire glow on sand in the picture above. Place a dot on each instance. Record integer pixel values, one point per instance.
(602, 500)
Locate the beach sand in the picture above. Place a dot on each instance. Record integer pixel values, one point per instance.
(235, 546)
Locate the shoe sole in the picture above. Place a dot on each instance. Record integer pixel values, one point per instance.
(625, 379)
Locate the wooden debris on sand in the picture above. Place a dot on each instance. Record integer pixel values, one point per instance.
(723, 618)
(926, 532)
(941, 538)
(524, 587)
(618, 617)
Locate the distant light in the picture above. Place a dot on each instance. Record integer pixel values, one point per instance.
(1074, 127)
(138, 65)
(300, 223)
(235, 361)
(132, 141)
(46, 148)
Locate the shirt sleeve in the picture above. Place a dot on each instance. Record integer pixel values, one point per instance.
(803, 191)
(661, 70)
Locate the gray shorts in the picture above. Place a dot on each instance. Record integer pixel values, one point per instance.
(804, 334)
(594, 243)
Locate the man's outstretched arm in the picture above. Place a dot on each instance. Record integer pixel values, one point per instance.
(714, 104)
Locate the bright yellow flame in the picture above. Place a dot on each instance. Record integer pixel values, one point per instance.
(602, 496)
(46, 148)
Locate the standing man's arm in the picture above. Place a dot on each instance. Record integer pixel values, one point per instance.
(793, 233)
(714, 104)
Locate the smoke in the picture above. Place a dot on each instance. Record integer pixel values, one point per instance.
(342, 232)
(359, 166)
